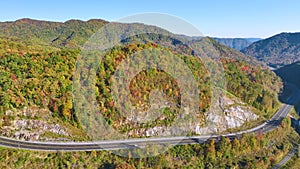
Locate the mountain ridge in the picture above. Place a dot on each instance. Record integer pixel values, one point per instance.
(37, 89)
(278, 50)
(44, 32)
(28, 29)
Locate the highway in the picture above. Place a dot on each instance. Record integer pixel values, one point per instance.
(142, 142)
(295, 149)
(286, 158)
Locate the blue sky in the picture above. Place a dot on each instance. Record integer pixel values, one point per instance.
(220, 18)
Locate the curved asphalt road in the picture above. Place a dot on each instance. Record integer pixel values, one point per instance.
(140, 143)
(286, 158)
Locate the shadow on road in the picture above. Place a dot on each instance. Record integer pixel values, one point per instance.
(291, 90)
(291, 95)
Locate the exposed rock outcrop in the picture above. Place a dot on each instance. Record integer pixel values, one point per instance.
(28, 124)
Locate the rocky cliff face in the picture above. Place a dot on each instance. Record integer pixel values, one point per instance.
(231, 113)
(32, 124)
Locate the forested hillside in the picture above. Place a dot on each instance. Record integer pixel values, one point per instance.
(37, 63)
(44, 79)
(72, 33)
(281, 49)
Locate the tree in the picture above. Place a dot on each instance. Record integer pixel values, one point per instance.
(210, 152)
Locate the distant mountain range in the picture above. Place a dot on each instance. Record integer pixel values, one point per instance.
(237, 43)
(281, 49)
(74, 33)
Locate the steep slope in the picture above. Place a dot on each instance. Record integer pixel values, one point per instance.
(236, 43)
(221, 51)
(189, 45)
(43, 78)
(36, 85)
(278, 50)
(290, 73)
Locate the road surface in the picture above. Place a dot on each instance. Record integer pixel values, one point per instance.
(286, 158)
(138, 143)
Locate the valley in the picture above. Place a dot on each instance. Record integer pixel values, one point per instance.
(240, 122)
